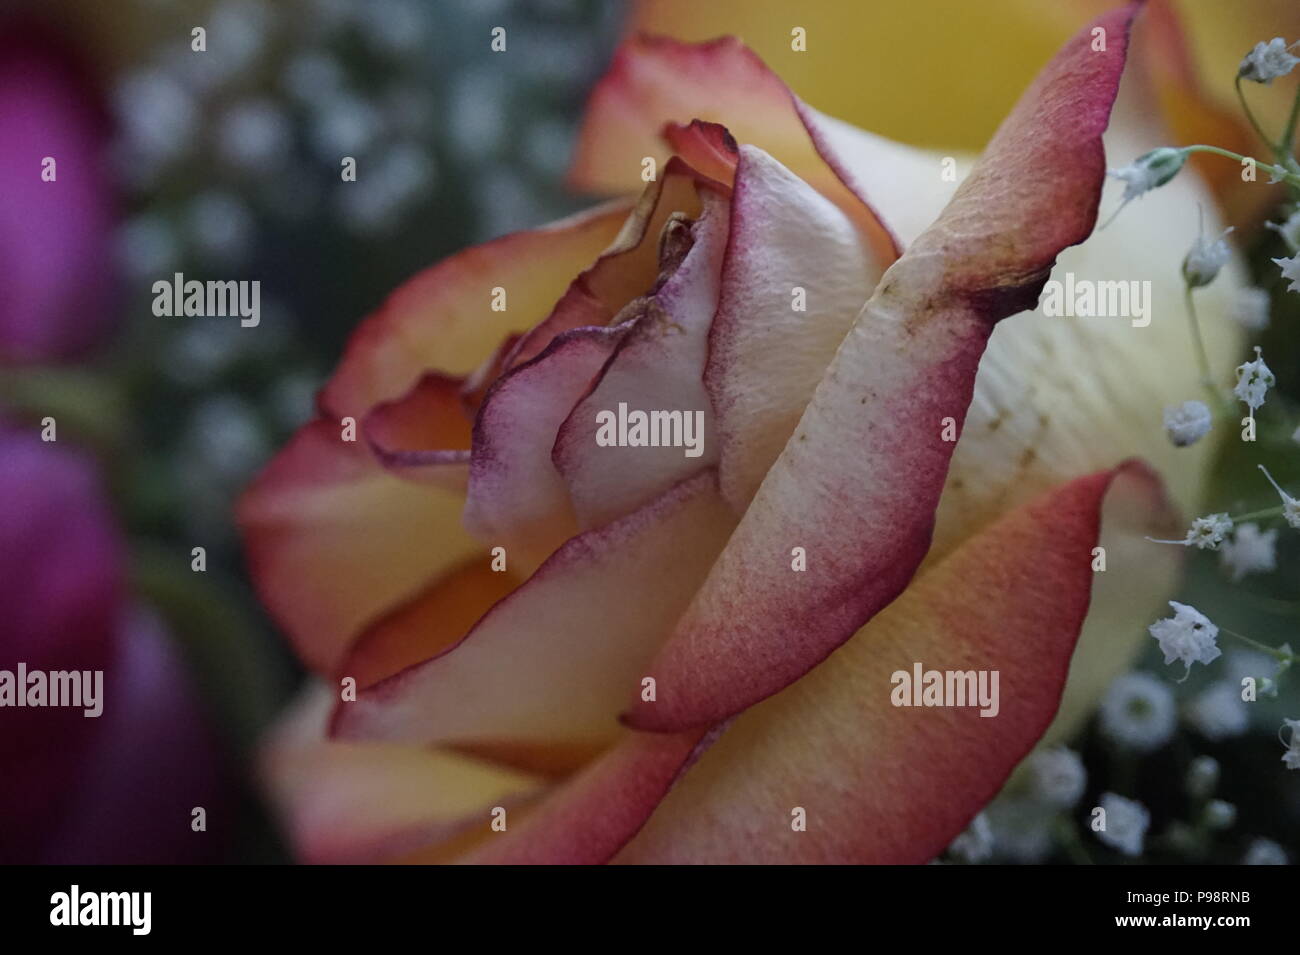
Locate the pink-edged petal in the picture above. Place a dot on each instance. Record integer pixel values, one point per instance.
(893, 784)
(655, 85)
(858, 483)
(708, 147)
(371, 802)
(591, 817)
(765, 357)
(443, 317)
(333, 539)
(657, 368)
(425, 434)
(628, 267)
(554, 660)
(516, 497)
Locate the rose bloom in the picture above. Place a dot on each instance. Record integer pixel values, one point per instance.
(568, 652)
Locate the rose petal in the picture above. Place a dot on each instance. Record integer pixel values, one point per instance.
(882, 783)
(766, 358)
(858, 483)
(657, 367)
(655, 81)
(333, 539)
(425, 434)
(589, 818)
(353, 802)
(443, 317)
(552, 662)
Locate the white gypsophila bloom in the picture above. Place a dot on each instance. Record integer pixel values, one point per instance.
(975, 844)
(1264, 852)
(1288, 230)
(1220, 814)
(1022, 829)
(1126, 824)
(1202, 776)
(1208, 532)
(1290, 271)
(254, 135)
(1187, 636)
(1057, 776)
(221, 225)
(1290, 506)
(1206, 258)
(146, 246)
(1253, 381)
(1149, 171)
(312, 77)
(1251, 551)
(1187, 423)
(1295, 435)
(1218, 712)
(1292, 755)
(1138, 712)
(1267, 61)
(157, 115)
(344, 124)
(1250, 307)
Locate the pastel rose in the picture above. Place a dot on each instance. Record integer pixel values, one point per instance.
(521, 691)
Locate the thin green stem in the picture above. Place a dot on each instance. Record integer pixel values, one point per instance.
(1202, 359)
(1283, 174)
(1257, 515)
(1273, 652)
(1250, 115)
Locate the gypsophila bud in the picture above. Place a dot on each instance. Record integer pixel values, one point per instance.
(1187, 423)
(1202, 776)
(1267, 61)
(1138, 712)
(1250, 306)
(1187, 636)
(1149, 171)
(1218, 712)
(1290, 506)
(1264, 852)
(1058, 777)
(1251, 551)
(1253, 381)
(1290, 271)
(976, 843)
(1206, 258)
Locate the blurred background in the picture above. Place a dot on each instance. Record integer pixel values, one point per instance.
(226, 164)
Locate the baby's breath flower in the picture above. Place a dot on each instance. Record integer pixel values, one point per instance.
(1253, 381)
(1058, 776)
(1206, 533)
(1206, 258)
(1288, 230)
(1251, 551)
(1187, 423)
(1290, 271)
(1188, 636)
(1202, 776)
(1219, 713)
(1138, 712)
(1220, 814)
(1126, 824)
(976, 843)
(1250, 308)
(1264, 852)
(1267, 61)
(1291, 758)
(1147, 172)
(1290, 506)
